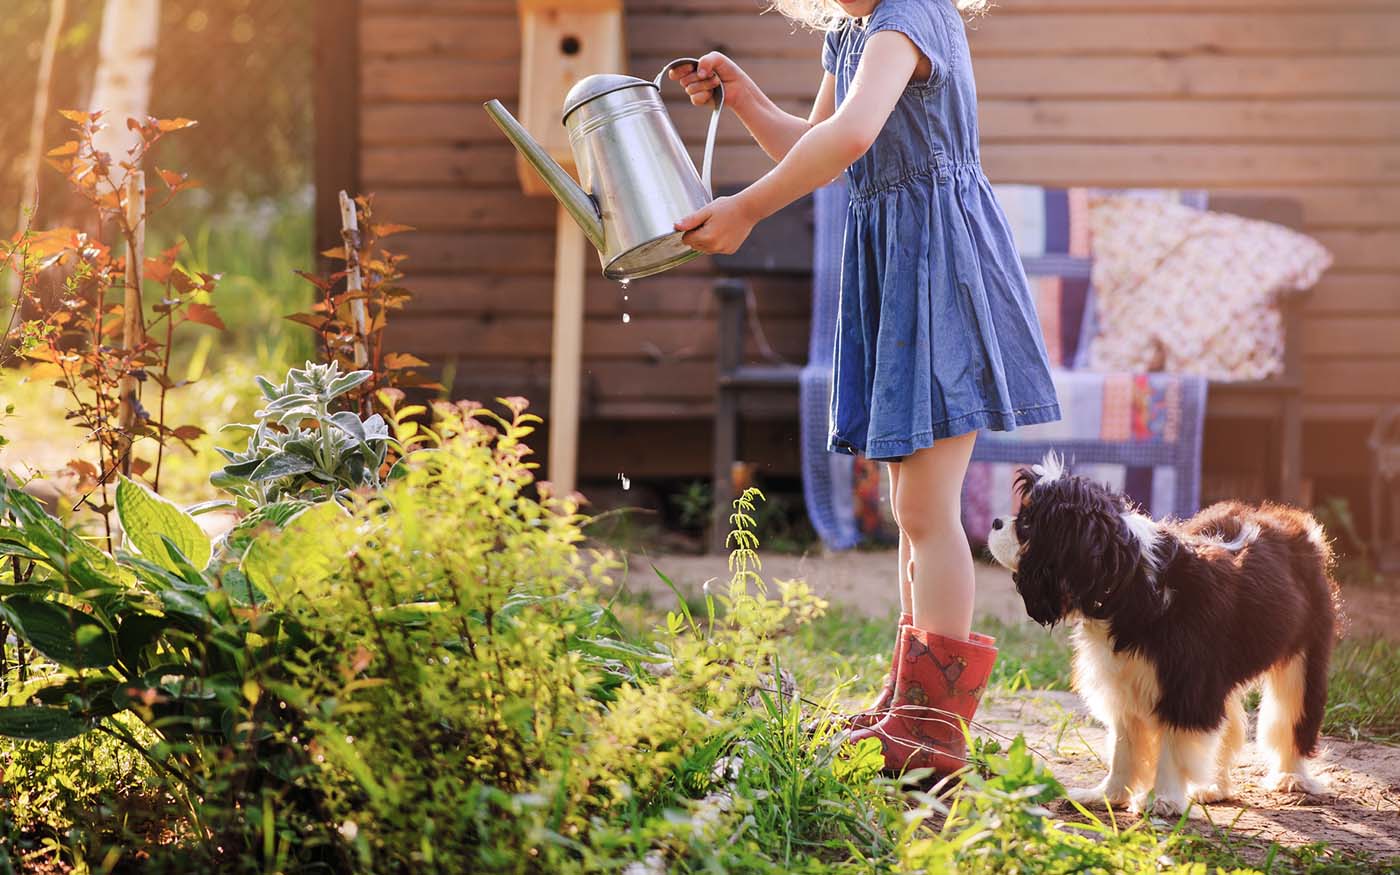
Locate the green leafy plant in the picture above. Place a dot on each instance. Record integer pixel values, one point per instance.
(693, 504)
(299, 448)
(79, 337)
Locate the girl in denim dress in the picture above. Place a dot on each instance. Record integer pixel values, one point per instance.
(937, 336)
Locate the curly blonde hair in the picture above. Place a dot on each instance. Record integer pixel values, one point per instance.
(826, 15)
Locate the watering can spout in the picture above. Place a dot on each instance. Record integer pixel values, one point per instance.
(568, 192)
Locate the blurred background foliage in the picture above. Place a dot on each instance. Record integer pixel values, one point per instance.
(242, 68)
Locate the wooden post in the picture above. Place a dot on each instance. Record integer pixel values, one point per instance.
(354, 278)
(570, 246)
(133, 321)
(562, 41)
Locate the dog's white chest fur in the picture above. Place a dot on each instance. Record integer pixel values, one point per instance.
(1114, 685)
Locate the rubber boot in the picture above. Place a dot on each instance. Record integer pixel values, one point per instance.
(941, 681)
(881, 706)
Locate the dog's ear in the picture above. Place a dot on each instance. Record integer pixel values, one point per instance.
(1113, 557)
(1045, 529)
(1080, 553)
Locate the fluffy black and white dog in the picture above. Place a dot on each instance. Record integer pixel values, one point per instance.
(1174, 621)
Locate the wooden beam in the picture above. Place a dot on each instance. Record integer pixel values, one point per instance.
(336, 105)
(567, 353)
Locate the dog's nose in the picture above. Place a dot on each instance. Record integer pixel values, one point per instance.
(996, 524)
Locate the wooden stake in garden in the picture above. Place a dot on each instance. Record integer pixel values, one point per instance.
(354, 279)
(133, 321)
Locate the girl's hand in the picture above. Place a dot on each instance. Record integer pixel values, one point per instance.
(715, 69)
(719, 228)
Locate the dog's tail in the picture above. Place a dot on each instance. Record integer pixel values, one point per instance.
(1316, 659)
(1322, 630)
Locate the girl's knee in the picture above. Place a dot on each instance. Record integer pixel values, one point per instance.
(923, 519)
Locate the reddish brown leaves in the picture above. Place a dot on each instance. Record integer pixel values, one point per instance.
(204, 315)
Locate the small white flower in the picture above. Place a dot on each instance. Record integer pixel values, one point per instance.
(349, 829)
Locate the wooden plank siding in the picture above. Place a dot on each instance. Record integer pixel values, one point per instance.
(1297, 98)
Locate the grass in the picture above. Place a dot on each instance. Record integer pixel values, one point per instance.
(851, 651)
(1363, 698)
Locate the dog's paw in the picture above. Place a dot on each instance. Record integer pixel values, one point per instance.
(1213, 793)
(1295, 782)
(1097, 796)
(1169, 807)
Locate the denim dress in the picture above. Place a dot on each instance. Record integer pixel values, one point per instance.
(937, 333)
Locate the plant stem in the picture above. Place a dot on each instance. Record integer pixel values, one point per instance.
(164, 384)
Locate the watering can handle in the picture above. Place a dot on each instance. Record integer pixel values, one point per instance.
(708, 166)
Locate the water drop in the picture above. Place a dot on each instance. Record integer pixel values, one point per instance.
(626, 317)
(625, 481)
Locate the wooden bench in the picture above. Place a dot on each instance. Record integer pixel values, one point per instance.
(782, 245)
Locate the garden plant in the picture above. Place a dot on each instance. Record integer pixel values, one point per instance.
(406, 655)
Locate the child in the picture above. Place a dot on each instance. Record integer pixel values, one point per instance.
(937, 335)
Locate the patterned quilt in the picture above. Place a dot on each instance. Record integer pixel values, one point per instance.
(1140, 433)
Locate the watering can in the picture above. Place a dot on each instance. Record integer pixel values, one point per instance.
(637, 180)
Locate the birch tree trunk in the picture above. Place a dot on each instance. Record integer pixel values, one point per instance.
(126, 62)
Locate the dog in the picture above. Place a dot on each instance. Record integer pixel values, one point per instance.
(1174, 622)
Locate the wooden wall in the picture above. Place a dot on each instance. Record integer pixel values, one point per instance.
(1295, 97)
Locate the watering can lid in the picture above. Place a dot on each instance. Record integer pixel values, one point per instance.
(597, 85)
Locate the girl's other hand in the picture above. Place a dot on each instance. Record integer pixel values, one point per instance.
(715, 69)
(719, 228)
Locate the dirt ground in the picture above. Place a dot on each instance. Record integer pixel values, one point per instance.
(1362, 812)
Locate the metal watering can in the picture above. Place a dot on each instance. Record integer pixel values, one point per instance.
(637, 179)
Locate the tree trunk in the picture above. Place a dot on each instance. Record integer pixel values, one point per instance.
(126, 62)
(34, 161)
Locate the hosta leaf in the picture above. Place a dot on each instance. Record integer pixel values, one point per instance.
(282, 465)
(304, 553)
(146, 517)
(135, 634)
(90, 696)
(240, 588)
(40, 724)
(63, 634)
(56, 546)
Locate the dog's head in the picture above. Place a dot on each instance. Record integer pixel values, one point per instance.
(1074, 547)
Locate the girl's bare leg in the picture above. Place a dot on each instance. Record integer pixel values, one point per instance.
(928, 499)
(906, 571)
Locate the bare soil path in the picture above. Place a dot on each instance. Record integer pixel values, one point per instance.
(1362, 812)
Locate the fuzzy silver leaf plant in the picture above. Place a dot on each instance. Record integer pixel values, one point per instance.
(300, 449)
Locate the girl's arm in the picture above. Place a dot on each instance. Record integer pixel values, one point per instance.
(775, 129)
(819, 155)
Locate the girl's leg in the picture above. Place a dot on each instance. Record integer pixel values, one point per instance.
(928, 501)
(906, 598)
